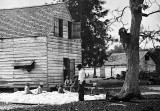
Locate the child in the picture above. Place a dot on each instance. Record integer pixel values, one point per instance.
(60, 89)
(39, 89)
(68, 81)
(26, 89)
(74, 86)
(94, 89)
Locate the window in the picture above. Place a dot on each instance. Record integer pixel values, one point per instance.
(60, 28)
(56, 27)
(76, 28)
(146, 57)
(69, 30)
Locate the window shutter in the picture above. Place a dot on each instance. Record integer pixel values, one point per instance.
(69, 30)
(56, 27)
(60, 28)
(76, 30)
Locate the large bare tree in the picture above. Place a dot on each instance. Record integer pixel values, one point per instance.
(130, 43)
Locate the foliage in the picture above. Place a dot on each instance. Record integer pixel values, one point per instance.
(117, 49)
(93, 31)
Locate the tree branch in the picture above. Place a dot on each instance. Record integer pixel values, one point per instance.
(146, 15)
(119, 17)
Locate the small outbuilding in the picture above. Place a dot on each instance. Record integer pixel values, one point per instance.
(117, 64)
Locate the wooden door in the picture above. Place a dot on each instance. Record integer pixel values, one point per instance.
(72, 68)
(66, 67)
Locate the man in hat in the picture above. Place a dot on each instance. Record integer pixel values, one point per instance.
(81, 80)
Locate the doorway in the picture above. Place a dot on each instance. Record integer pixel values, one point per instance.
(68, 68)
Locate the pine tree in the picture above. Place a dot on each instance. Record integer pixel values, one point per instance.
(93, 31)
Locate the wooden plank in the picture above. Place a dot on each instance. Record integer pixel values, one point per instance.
(39, 75)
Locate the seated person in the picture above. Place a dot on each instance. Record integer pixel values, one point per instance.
(26, 89)
(67, 83)
(94, 89)
(74, 86)
(60, 89)
(39, 89)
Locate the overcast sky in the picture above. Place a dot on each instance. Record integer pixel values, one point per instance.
(151, 21)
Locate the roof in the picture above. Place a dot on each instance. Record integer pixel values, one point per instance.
(31, 21)
(155, 54)
(119, 59)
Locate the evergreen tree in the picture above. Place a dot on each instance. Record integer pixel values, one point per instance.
(93, 31)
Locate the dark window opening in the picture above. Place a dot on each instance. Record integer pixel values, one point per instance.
(69, 30)
(146, 57)
(60, 28)
(25, 65)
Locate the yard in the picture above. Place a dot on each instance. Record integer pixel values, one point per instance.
(52, 101)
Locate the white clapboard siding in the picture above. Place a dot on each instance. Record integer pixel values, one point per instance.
(59, 48)
(25, 33)
(22, 49)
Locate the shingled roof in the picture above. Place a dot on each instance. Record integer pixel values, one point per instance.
(119, 59)
(155, 54)
(31, 21)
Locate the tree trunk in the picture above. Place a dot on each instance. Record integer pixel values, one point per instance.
(130, 87)
(94, 75)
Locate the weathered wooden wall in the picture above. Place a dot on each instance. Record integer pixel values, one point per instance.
(59, 48)
(28, 34)
(19, 50)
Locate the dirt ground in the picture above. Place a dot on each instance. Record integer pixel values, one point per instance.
(151, 103)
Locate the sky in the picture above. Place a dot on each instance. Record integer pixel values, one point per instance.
(150, 22)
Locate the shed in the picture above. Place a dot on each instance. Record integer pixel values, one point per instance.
(117, 63)
(38, 44)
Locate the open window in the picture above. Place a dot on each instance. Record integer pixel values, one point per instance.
(27, 65)
(56, 27)
(76, 30)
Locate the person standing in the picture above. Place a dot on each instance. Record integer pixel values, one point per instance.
(81, 82)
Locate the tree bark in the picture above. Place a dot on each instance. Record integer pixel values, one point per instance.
(130, 87)
(94, 72)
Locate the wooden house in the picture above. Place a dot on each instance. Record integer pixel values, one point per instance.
(38, 44)
(117, 63)
(155, 54)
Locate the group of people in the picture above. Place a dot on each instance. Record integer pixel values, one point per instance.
(27, 89)
(76, 85)
(71, 85)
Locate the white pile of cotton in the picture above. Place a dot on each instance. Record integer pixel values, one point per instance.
(45, 97)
